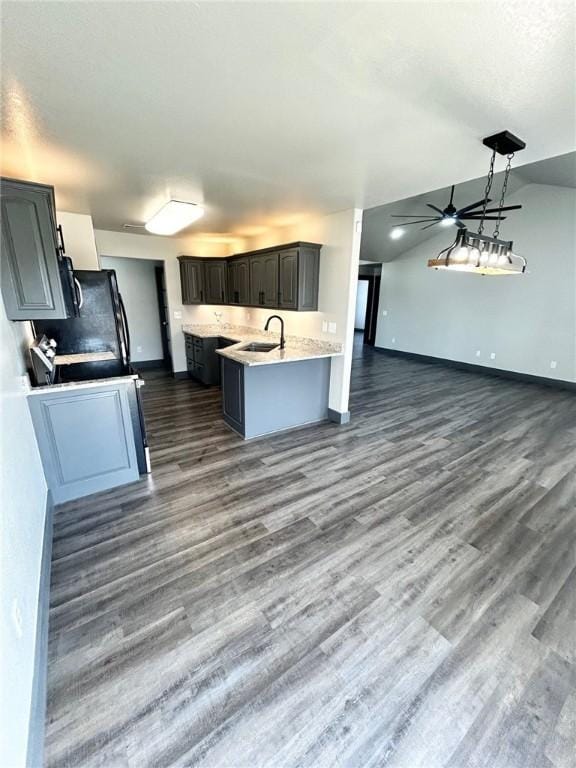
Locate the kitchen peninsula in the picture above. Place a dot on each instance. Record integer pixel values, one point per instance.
(265, 388)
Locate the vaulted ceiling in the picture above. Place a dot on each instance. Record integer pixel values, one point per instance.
(270, 111)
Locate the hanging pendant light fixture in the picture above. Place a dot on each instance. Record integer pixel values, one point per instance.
(474, 251)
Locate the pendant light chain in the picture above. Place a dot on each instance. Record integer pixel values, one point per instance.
(503, 195)
(489, 181)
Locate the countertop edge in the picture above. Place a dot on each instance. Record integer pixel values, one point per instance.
(66, 386)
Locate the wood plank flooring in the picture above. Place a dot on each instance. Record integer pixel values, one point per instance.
(398, 592)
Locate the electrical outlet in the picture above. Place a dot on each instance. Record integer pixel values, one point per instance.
(331, 327)
(477, 353)
(393, 339)
(17, 618)
(385, 312)
(138, 348)
(324, 326)
(177, 315)
(553, 363)
(492, 355)
(247, 315)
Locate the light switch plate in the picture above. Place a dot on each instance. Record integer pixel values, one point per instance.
(331, 327)
(553, 363)
(477, 353)
(324, 326)
(177, 315)
(492, 355)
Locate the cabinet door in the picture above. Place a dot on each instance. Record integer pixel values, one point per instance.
(239, 281)
(257, 281)
(270, 280)
(215, 281)
(288, 279)
(308, 278)
(192, 281)
(233, 393)
(86, 439)
(31, 270)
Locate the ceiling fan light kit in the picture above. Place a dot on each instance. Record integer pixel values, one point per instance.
(476, 252)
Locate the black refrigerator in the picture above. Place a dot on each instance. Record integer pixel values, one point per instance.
(100, 326)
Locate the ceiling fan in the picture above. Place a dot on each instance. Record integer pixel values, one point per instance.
(452, 215)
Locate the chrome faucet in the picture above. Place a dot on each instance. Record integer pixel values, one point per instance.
(282, 339)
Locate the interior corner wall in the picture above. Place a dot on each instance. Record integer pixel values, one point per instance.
(137, 285)
(339, 233)
(22, 520)
(528, 322)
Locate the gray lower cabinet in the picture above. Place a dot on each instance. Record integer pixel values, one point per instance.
(261, 399)
(86, 438)
(202, 361)
(215, 278)
(233, 394)
(33, 284)
(239, 281)
(192, 280)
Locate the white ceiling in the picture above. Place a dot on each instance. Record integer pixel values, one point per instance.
(378, 222)
(268, 111)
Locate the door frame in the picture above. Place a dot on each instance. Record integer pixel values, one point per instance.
(163, 312)
(371, 319)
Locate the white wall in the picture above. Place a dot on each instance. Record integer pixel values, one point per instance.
(339, 234)
(527, 321)
(22, 517)
(361, 305)
(79, 241)
(137, 284)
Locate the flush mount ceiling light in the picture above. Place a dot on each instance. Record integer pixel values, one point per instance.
(474, 251)
(173, 217)
(396, 233)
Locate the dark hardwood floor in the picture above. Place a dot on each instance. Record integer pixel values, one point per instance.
(399, 591)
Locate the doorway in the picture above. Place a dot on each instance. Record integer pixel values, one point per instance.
(367, 300)
(162, 295)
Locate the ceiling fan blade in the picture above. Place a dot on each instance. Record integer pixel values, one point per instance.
(434, 207)
(422, 221)
(431, 225)
(407, 215)
(479, 218)
(473, 205)
(506, 208)
(459, 224)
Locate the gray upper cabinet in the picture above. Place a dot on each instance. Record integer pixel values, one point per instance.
(192, 280)
(32, 283)
(264, 279)
(239, 280)
(215, 278)
(284, 277)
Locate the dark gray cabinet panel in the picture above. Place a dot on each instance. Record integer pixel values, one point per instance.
(308, 278)
(192, 280)
(31, 270)
(239, 281)
(264, 279)
(233, 394)
(215, 275)
(285, 277)
(86, 438)
(288, 279)
(202, 362)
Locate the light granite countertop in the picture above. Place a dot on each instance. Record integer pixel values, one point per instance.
(297, 347)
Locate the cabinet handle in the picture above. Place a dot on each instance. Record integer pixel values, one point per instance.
(222, 296)
(201, 296)
(62, 248)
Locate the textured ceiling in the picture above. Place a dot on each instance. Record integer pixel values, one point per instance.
(376, 244)
(269, 111)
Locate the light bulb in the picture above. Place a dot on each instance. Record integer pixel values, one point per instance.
(473, 256)
(447, 221)
(397, 233)
(461, 254)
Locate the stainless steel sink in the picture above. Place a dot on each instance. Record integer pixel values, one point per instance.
(257, 346)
